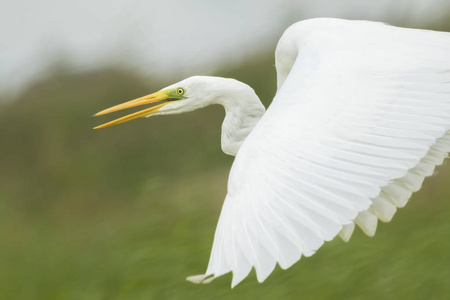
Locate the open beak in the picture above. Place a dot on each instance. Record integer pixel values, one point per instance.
(152, 98)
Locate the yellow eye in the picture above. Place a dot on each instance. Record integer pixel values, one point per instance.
(180, 91)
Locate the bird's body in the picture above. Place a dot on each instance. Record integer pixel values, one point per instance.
(360, 118)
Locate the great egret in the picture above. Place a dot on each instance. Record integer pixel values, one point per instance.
(360, 117)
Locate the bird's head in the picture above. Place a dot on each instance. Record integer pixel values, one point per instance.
(184, 96)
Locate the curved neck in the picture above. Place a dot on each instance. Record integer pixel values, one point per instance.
(243, 110)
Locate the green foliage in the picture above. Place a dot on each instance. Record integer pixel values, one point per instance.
(128, 212)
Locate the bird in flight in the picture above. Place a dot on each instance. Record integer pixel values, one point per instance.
(361, 116)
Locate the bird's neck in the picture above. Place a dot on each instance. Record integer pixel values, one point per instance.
(242, 113)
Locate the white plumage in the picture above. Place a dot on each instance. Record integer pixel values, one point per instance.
(360, 118)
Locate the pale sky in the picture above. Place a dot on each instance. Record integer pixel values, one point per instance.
(164, 36)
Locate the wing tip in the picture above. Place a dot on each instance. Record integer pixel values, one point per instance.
(201, 278)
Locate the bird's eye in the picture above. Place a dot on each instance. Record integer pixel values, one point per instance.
(180, 91)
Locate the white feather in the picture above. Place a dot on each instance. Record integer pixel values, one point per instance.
(347, 232)
(361, 116)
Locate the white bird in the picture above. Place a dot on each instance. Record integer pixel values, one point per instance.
(360, 117)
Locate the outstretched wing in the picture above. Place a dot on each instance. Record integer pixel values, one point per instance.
(358, 122)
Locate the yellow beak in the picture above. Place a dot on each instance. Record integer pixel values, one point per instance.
(152, 98)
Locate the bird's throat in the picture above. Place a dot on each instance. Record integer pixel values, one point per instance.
(238, 123)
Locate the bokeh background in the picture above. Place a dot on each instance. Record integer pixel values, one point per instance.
(128, 212)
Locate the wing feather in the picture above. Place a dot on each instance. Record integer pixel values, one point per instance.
(360, 118)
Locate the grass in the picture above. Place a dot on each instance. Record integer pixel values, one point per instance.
(145, 248)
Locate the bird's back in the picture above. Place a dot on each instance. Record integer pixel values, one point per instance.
(361, 39)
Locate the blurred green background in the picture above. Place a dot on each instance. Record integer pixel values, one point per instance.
(129, 211)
